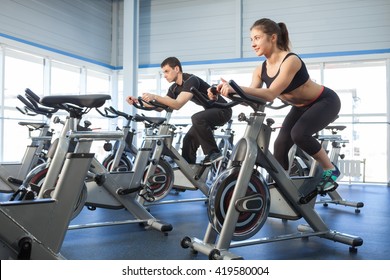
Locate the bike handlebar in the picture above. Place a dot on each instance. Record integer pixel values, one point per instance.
(26, 111)
(32, 105)
(111, 112)
(212, 103)
(240, 97)
(154, 105)
(140, 105)
(34, 98)
(254, 99)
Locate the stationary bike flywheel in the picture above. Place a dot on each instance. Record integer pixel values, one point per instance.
(253, 208)
(161, 182)
(38, 180)
(124, 164)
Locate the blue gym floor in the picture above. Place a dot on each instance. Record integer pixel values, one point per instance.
(128, 242)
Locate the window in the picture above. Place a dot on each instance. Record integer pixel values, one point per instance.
(22, 71)
(98, 83)
(362, 90)
(65, 78)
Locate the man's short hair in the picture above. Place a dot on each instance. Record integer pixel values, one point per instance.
(172, 62)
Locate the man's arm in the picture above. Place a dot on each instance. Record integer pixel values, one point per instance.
(175, 104)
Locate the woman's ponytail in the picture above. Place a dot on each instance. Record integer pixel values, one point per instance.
(283, 38)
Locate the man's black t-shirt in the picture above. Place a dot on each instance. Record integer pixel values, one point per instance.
(190, 80)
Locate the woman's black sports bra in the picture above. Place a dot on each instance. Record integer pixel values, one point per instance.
(299, 79)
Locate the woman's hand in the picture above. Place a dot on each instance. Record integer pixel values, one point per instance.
(224, 88)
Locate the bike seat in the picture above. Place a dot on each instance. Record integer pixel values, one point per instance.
(33, 125)
(181, 124)
(330, 137)
(87, 100)
(151, 120)
(336, 127)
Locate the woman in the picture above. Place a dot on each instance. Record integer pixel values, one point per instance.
(286, 77)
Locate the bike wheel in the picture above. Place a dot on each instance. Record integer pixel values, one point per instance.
(38, 180)
(248, 223)
(161, 190)
(124, 164)
(217, 168)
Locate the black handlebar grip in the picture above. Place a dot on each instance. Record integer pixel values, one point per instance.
(34, 96)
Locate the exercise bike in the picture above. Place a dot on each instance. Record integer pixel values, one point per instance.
(179, 175)
(35, 229)
(241, 200)
(101, 188)
(11, 174)
(123, 152)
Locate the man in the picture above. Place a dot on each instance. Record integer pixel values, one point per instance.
(201, 131)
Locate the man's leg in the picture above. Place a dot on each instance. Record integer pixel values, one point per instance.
(190, 145)
(204, 122)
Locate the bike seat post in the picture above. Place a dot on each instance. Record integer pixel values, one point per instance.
(58, 158)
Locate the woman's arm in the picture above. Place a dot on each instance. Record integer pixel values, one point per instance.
(287, 72)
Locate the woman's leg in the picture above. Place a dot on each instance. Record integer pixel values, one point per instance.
(283, 141)
(315, 118)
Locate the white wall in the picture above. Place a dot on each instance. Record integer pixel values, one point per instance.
(325, 26)
(219, 30)
(195, 30)
(190, 30)
(79, 28)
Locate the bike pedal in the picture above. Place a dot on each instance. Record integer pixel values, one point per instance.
(147, 194)
(307, 198)
(14, 180)
(100, 179)
(25, 247)
(323, 193)
(34, 187)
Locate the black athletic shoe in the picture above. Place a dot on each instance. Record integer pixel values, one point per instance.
(212, 157)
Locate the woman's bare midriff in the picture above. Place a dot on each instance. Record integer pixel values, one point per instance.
(304, 95)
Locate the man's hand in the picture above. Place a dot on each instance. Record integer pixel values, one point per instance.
(212, 93)
(131, 100)
(148, 96)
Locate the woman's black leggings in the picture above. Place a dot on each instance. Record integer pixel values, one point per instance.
(301, 123)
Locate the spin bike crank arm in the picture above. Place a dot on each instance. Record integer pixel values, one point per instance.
(144, 192)
(127, 191)
(307, 198)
